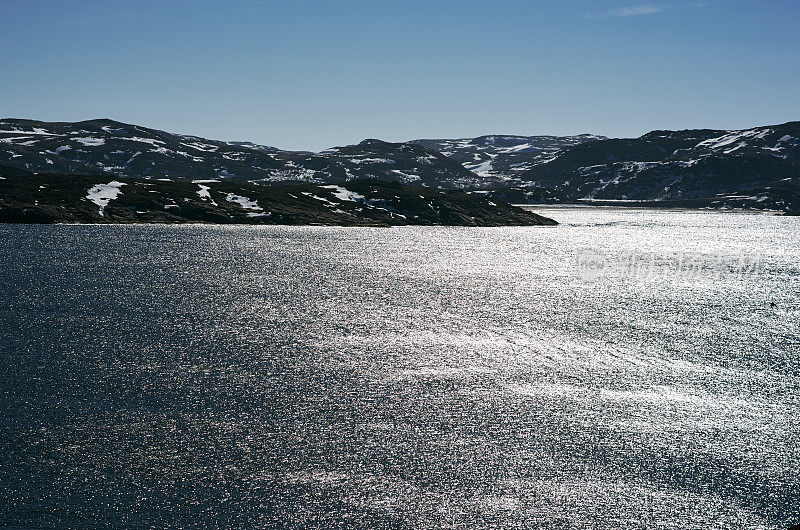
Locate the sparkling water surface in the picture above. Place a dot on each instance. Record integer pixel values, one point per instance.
(416, 377)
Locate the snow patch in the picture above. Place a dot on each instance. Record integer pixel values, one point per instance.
(408, 177)
(741, 144)
(11, 141)
(137, 153)
(205, 194)
(343, 194)
(371, 161)
(199, 146)
(732, 137)
(154, 143)
(36, 131)
(247, 204)
(102, 194)
(483, 169)
(90, 141)
(318, 198)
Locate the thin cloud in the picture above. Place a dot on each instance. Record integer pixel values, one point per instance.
(642, 9)
(630, 11)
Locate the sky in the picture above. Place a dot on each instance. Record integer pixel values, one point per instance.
(310, 74)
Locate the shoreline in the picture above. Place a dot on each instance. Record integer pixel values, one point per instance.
(640, 207)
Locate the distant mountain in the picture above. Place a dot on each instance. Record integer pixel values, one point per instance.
(752, 168)
(501, 159)
(265, 148)
(26, 197)
(114, 148)
(761, 165)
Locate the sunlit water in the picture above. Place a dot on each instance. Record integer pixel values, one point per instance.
(405, 377)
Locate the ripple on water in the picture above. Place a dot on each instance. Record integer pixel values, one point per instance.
(413, 377)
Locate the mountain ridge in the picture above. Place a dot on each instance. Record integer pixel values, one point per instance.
(108, 147)
(755, 168)
(26, 197)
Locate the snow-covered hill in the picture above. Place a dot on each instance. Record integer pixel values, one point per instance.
(761, 164)
(501, 159)
(758, 167)
(109, 147)
(27, 197)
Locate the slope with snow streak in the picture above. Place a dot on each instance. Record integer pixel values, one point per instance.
(499, 159)
(102, 194)
(682, 165)
(343, 194)
(52, 198)
(254, 209)
(125, 150)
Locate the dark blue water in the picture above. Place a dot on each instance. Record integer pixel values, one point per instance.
(159, 376)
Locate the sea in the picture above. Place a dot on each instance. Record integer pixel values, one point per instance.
(626, 369)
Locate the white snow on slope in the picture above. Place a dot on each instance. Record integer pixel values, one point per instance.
(344, 194)
(731, 137)
(101, 194)
(372, 161)
(137, 153)
(483, 169)
(518, 148)
(200, 146)
(90, 141)
(154, 143)
(205, 194)
(36, 131)
(247, 204)
(739, 146)
(16, 139)
(318, 198)
(59, 150)
(407, 177)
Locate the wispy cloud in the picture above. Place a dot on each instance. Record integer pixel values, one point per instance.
(646, 9)
(632, 11)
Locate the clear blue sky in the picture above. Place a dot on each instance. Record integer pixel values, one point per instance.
(308, 74)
